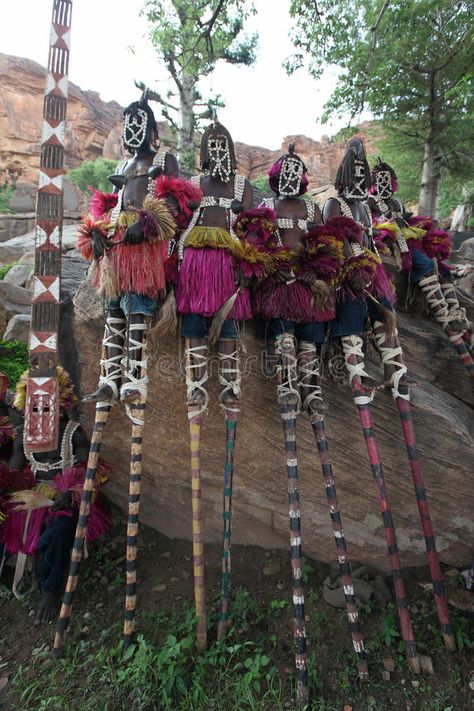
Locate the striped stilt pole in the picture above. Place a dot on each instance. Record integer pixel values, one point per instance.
(317, 423)
(136, 412)
(231, 431)
(462, 351)
(288, 416)
(101, 416)
(404, 409)
(195, 422)
(352, 346)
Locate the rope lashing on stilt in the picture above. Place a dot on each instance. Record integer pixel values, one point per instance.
(110, 366)
(230, 379)
(196, 360)
(135, 370)
(309, 376)
(389, 357)
(435, 299)
(287, 371)
(353, 346)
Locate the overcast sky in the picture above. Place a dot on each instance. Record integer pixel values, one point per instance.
(110, 49)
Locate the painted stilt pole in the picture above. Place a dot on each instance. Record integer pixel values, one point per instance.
(317, 423)
(404, 409)
(101, 416)
(195, 422)
(352, 348)
(288, 416)
(231, 431)
(137, 415)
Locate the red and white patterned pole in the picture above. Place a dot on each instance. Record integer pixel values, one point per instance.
(42, 393)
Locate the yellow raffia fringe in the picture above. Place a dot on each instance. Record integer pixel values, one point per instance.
(214, 237)
(125, 219)
(388, 226)
(66, 387)
(164, 219)
(29, 500)
(413, 232)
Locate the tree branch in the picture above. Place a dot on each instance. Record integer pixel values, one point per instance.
(370, 58)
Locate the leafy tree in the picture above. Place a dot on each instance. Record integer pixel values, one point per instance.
(6, 194)
(190, 37)
(261, 182)
(409, 63)
(94, 173)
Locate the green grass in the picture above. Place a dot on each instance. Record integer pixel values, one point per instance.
(14, 360)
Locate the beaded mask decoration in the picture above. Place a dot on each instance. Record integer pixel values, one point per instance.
(358, 189)
(135, 125)
(383, 181)
(220, 164)
(291, 174)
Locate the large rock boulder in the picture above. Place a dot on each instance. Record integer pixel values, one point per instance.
(444, 423)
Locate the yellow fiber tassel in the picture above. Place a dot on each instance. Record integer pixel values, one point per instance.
(108, 286)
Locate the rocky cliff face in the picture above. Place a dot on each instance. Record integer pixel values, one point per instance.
(94, 130)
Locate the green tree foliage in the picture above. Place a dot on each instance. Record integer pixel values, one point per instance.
(261, 182)
(93, 173)
(190, 37)
(13, 360)
(6, 194)
(409, 63)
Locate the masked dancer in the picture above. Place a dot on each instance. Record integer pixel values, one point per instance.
(422, 249)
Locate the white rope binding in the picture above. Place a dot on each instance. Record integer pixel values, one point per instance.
(195, 360)
(352, 346)
(229, 377)
(309, 376)
(287, 371)
(135, 370)
(110, 366)
(389, 357)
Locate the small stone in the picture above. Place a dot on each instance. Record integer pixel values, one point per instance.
(414, 609)
(471, 682)
(272, 568)
(87, 615)
(386, 676)
(187, 558)
(426, 664)
(388, 664)
(18, 328)
(85, 630)
(99, 605)
(280, 584)
(415, 683)
(18, 274)
(159, 588)
(167, 555)
(174, 580)
(31, 613)
(347, 707)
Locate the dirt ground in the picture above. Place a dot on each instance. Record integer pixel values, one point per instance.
(166, 583)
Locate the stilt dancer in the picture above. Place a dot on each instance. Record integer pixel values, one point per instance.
(296, 300)
(127, 236)
(213, 261)
(363, 276)
(388, 208)
(423, 250)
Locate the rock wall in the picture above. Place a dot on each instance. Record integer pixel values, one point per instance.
(443, 418)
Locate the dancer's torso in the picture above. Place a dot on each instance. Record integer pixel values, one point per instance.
(222, 194)
(295, 217)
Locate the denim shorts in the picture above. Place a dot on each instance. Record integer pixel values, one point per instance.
(133, 304)
(197, 326)
(350, 319)
(313, 332)
(422, 266)
(374, 311)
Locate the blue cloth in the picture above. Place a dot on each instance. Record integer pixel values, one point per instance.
(197, 326)
(350, 319)
(374, 312)
(422, 266)
(132, 303)
(314, 332)
(54, 549)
